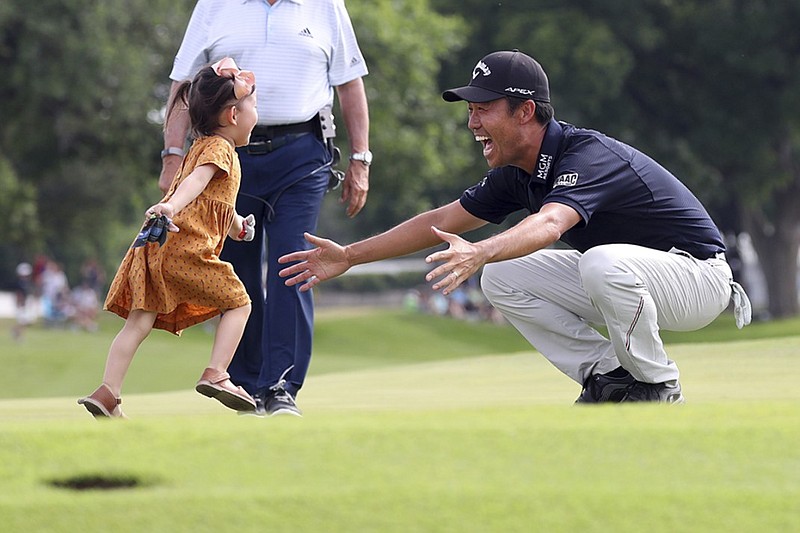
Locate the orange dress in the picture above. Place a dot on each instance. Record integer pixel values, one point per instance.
(184, 281)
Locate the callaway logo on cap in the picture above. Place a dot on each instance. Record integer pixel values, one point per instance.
(504, 74)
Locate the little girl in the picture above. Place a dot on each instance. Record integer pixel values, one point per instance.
(183, 282)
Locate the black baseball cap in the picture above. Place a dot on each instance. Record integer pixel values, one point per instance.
(505, 73)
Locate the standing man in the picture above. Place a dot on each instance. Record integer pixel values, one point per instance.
(645, 254)
(300, 51)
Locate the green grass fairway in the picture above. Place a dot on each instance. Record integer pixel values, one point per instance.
(458, 437)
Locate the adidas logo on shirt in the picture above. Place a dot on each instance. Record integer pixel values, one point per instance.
(355, 61)
(305, 32)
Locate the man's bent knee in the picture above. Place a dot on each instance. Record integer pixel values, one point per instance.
(595, 265)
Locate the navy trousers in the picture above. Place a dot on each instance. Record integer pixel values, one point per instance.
(284, 190)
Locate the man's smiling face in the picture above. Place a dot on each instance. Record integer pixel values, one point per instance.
(497, 129)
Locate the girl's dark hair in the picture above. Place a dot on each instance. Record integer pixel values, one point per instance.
(544, 111)
(205, 96)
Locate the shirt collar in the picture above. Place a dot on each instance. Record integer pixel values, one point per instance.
(265, 1)
(550, 144)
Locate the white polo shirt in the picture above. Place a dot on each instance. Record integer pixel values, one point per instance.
(299, 51)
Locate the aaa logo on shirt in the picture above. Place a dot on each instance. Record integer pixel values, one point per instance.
(566, 180)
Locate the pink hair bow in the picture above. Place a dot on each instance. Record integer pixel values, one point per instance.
(243, 80)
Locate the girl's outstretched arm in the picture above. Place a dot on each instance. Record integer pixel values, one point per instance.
(189, 189)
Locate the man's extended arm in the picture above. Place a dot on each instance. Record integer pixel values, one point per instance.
(353, 101)
(462, 258)
(329, 259)
(413, 235)
(458, 261)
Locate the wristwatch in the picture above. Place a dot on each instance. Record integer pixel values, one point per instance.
(364, 157)
(172, 150)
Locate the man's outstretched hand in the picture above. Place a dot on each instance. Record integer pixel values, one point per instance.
(460, 260)
(323, 262)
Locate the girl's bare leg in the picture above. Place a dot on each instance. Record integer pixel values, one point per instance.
(138, 325)
(229, 333)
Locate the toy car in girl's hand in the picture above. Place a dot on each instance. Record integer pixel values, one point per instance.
(154, 230)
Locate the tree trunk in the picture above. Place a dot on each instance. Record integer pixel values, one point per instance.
(776, 239)
(779, 262)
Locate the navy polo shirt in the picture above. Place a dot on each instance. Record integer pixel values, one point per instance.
(622, 195)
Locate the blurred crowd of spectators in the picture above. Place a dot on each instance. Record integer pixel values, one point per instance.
(465, 303)
(43, 293)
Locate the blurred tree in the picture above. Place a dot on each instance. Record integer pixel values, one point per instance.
(417, 139)
(82, 85)
(85, 82)
(716, 86)
(711, 88)
(19, 224)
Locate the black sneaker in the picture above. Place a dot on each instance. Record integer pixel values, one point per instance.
(278, 401)
(610, 387)
(654, 392)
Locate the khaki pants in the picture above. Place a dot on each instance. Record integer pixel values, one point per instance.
(553, 296)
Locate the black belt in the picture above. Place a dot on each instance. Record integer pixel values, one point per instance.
(271, 132)
(266, 139)
(715, 255)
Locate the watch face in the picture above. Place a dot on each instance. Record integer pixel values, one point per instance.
(366, 157)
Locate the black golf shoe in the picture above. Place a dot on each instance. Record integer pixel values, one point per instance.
(611, 387)
(654, 392)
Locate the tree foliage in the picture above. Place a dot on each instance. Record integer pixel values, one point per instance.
(84, 82)
(19, 224)
(417, 139)
(711, 88)
(731, 70)
(81, 81)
